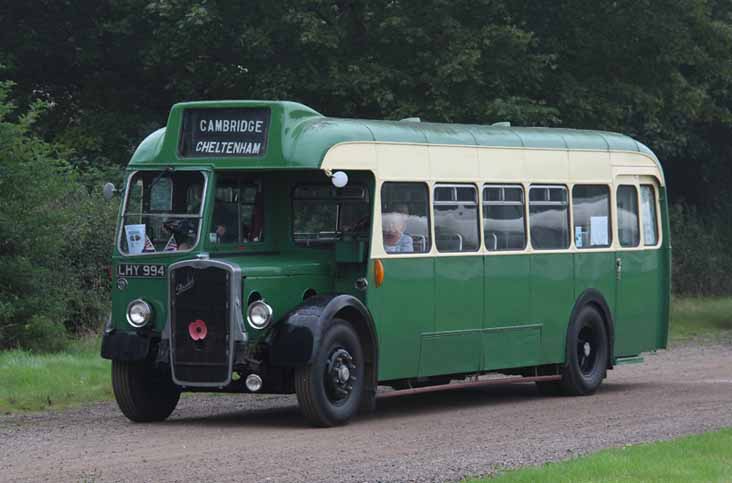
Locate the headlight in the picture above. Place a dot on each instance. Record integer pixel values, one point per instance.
(139, 313)
(259, 314)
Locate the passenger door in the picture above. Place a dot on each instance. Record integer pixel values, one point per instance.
(636, 265)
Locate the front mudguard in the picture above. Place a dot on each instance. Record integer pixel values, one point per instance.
(295, 339)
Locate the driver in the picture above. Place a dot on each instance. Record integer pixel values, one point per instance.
(393, 224)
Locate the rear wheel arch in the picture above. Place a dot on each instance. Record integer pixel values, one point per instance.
(594, 297)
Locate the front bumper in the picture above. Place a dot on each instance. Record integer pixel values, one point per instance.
(125, 346)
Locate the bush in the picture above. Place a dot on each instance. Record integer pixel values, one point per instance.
(702, 258)
(55, 238)
(41, 334)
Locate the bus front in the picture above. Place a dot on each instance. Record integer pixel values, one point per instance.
(233, 259)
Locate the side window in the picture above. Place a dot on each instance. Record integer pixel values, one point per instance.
(322, 213)
(405, 217)
(648, 203)
(628, 229)
(238, 215)
(549, 217)
(456, 218)
(504, 227)
(591, 210)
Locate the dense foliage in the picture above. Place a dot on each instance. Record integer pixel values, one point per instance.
(54, 239)
(108, 71)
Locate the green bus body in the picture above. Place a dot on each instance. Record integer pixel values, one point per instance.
(431, 316)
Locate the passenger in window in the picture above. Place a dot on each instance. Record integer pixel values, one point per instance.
(393, 225)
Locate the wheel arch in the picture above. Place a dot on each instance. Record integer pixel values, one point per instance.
(595, 298)
(297, 335)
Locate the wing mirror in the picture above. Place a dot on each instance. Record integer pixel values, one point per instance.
(108, 191)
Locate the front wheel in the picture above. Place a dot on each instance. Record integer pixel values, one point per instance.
(143, 393)
(330, 389)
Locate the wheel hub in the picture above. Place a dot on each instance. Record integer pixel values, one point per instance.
(587, 348)
(343, 373)
(339, 378)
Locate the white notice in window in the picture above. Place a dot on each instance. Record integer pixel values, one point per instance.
(135, 238)
(598, 231)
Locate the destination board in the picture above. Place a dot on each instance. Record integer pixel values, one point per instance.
(224, 132)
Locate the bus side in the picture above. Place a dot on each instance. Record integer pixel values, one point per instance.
(500, 256)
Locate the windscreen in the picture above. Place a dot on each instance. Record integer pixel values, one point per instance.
(162, 212)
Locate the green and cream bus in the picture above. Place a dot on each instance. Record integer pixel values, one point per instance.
(263, 247)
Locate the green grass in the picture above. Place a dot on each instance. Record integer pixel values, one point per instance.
(707, 458)
(705, 318)
(32, 382)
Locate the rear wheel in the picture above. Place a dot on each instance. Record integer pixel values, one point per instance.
(586, 359)
(330, 389)
(143, 393)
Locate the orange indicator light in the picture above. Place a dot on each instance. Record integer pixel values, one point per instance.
(378, 273)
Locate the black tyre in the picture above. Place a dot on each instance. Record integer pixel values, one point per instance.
(587, 353)
(586, 360)
(329, 390)
(143, 393)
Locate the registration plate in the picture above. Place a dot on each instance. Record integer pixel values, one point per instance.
(140, 270)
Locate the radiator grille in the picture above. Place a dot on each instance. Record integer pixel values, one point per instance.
(200, 294)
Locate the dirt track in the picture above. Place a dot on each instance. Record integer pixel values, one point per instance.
(426, 437)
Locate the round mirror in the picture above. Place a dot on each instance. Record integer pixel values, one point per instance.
(339, 179)
(108, 191)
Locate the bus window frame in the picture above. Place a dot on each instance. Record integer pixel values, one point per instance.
(479, 210)
(326, 242)
(524, 207)
(377, 232)
(611, 228)
(201, 213)
(639, 226)
(570, 241)
(653, 184)
(227, 246)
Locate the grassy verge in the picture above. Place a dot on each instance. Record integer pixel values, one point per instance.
(707, 458)
(707, 318)
(32, 382)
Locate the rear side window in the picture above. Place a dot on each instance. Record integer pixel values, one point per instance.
(591, 210)
(648, 204)
(549, 217)
(405, 219)
(456, 218)
(504, 227)
(628, 227)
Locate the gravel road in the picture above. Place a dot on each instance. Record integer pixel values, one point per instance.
(426, 437)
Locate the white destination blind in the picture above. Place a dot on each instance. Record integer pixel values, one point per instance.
(224, 132)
